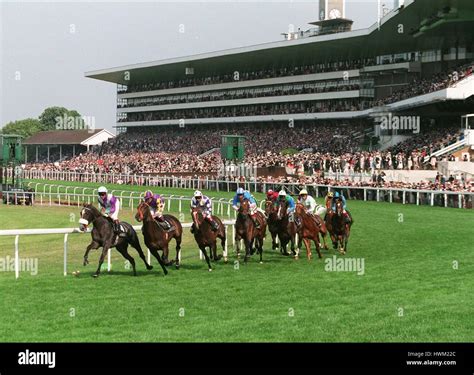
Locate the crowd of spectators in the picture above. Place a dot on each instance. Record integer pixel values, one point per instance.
(245, 93)
(253, 75)
(433, 83)
(311, 152)
(253, 110)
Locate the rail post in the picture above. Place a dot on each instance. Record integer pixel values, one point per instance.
(17, 257)
(65, 253)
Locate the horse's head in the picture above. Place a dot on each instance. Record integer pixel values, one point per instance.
(339, 208)
(300, 209)
(244, 208)
(196, 213)
(282, 209)
(143, 211)
(269, 207)
(88, 214)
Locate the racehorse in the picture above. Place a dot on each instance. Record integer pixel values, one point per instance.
(272, 220)
(286, 229)
(245, 229)
(206, 237)
(309, 230)
(103, 236)
(340, 230)
(157, 238)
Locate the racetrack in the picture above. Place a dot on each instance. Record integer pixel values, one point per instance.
(411, 289)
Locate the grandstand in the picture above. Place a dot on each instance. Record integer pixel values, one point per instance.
(320, 93)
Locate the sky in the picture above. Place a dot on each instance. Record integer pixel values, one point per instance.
(46, 47)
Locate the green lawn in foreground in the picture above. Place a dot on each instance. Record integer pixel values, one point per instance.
(408, 271)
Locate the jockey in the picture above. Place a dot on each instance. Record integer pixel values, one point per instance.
(328, 199)
(307, 201)
(245, 194)
(110, 207)
(341, 197)
(283, 197)
(272, 195)
(310, 204)
(200, 200)
(157, 205)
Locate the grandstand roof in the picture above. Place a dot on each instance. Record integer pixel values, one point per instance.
(416, 15)
(68, 137)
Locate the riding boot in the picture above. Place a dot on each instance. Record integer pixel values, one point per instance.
(214, 225)
(193, 228)
(347, 218)
(165, 225)
(256, 222)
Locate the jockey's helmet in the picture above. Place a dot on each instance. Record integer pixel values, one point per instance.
(270, 192)
(197, 194)
(148, 194)
(304, 192)
(240, 191)
(336, 194)
(282, 193)
(330, 194)
(102, 190)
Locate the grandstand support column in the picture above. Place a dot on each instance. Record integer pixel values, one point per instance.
(60, 152)
(26, 154)
(48, 152)
(73, 150)
(37, 154)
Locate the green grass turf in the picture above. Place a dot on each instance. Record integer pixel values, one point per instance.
(408, 271)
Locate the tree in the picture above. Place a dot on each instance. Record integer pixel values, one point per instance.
(25, 128)
(49, 117)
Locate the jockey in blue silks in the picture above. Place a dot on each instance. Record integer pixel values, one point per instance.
(346, 213)
(242, 194)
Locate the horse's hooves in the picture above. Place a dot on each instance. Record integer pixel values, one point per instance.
(149, 268)
(210, 270)
(85, 263)
(226, 260)
(177, 266)
(285, 254)
(261, 262)
(96, 275)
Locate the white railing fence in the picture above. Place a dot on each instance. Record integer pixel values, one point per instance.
(47, 193)
(67, 231)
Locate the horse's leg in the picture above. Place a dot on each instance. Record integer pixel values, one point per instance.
(178, 249)
(252, 246)
(158, 258)
(122, 249)
(307, 243)
(93, 245)
(214, 250)
(340, 239)
(203, 249)
(166, 251)
(323, 236)
(223, 241)
(260, 249)
(136, 245)
(318, 246)
(237, 245)
(248, 247)
(105, 248)
(334, 241)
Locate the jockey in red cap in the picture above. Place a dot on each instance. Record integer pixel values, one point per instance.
(272, 195)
